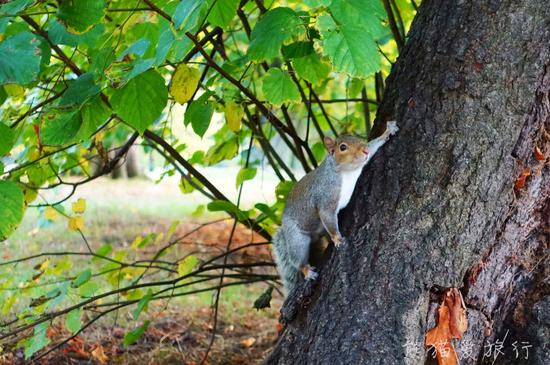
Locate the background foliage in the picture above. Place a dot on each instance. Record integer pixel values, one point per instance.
(82, 81)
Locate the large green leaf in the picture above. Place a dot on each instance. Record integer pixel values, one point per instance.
(222, 12)
(311, 68)
(189, 14)
(79, 16)
(141, 101)
(269, 34)
(7, 139)
(350, 48)
(80, 90)
(20, 60)
(60, 127)
(279, 88)
(11, 208)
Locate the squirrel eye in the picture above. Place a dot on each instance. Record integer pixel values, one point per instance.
(343, 147)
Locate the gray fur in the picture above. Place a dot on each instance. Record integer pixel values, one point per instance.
(312, 209)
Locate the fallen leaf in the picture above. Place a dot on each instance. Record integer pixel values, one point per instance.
(248, 342)
(539, 156)
(451, 323)
(99, 355)
(522, 178)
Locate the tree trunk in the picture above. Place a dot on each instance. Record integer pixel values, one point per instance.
(438, 207)
(133, 166)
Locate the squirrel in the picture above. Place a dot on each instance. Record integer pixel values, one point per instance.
(313, 204)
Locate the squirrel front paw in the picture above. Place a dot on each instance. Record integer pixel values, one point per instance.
(392, 127)
(338, 240)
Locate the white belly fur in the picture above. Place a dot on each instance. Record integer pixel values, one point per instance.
(349, 179)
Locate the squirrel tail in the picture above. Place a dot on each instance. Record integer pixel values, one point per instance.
(289, 274)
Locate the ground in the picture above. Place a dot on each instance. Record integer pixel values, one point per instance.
(181, 328)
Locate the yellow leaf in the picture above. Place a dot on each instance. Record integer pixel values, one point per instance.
(187, 265)
(184, 83)
(76, 223)
(51, 214)
(233, 115)
(14, 90)
(136, 242)
(79, 206)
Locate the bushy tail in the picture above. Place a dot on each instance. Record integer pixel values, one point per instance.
(289, 274)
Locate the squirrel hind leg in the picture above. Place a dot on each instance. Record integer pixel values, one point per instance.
(292, 254)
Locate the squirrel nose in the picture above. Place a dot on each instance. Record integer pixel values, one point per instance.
(366, 151)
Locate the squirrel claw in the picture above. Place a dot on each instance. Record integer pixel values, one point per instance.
(338, 241)
(392, 127)
(311, 273)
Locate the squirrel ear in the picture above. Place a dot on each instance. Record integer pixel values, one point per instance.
(329, 144)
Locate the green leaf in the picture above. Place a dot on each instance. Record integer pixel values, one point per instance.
(7, 139)
(245, 174)
(186, 266)
(60, 129)
(11, 208)
(38, 340)
(73, 321)
(298, 49)
(365, 14)
(226, 206)
(141, 101)
(79, 16)
(269, 34)
(20, 61)
(349, 47)
(189, 14)
(311, 68)
(14, 7)
(104, 250)
(94, 113)
(3, 95)
(81, 278)
(224, 150)
(279, 88)
(88, 289)
(222, 12)
(138, 48)
(199, 114)
(80, 90)
(283, 188)
(142, 304)
(132, 336)
(268, 211)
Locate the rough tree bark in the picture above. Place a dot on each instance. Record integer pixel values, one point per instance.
(437, 206)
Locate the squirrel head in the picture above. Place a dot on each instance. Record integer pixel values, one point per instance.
(349, 152)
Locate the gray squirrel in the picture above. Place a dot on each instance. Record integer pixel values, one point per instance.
(313, 204)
